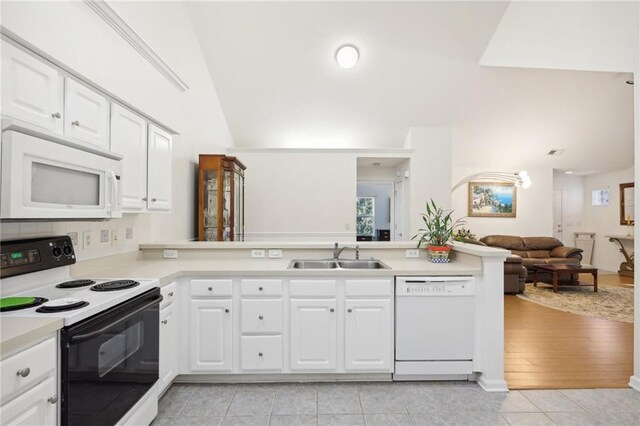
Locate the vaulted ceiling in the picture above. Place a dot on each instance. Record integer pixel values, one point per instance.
(273, 66)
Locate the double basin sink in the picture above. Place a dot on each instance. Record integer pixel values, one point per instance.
(337, 264)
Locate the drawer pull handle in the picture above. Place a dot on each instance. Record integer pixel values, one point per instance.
(260, 354)
(261, 317)
(331, 310)
(164, 321)
(349, 310)
(24, 372)
(53, 399)
(260, 288)
(210, 288)
(170, 294)
(75, 123)
(226, 311)
(56, 115)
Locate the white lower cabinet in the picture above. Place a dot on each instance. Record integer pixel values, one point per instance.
(168, 346)
(211, 335)
(368, 335)
(35, 407)
(313, 338)
(261, 352)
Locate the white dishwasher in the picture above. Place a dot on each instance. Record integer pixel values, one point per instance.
(435, 328)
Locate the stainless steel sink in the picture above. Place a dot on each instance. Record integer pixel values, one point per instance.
(362, 264)
(313, 264)
(340, 264)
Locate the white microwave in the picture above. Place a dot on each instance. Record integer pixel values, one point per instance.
(44, 177)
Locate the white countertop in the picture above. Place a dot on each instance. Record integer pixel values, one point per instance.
(19, 332)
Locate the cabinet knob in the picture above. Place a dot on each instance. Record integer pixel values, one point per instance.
(24, 372)
(170, 294)
(260, 354)
(75, 123)
(331, 310)
(144, 198)
(210, 288)
(53, 399)
(260, 288)
(349, 310)
(226, 311)
(261, 317)
(153, 200)
(164, 321)
(56, 115)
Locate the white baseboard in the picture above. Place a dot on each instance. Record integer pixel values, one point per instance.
(493, 385)
(634, 382)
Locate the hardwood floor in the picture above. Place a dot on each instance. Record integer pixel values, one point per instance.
(549, 349)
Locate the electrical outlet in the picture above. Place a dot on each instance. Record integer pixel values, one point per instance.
(170, 254)
(86, 239)
(347, 226)
(255, 253)
(115, 237)
(74, 238)
(413, 253)
(129, 234)
(275, 254)
(104, 236)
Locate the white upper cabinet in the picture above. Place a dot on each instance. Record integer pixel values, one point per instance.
(32, 90)
(129, 138)
(86, 114)
(159, 164)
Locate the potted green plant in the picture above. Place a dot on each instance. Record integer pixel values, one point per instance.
(438, 230)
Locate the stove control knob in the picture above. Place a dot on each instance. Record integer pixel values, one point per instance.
(67, 250)
(56, 252)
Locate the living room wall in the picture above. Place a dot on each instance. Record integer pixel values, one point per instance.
(533, 209)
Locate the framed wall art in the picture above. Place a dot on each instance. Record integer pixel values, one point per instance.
(492, 199)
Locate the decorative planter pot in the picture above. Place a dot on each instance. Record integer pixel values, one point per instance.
(439, 254)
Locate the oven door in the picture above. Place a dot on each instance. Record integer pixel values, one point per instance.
(110, 361)
(43, 179)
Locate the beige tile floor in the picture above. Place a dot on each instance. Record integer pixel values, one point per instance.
(415, 403)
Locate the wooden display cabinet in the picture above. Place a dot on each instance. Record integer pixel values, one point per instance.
(220, 198)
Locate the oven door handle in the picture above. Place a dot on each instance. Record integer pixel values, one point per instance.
(82, 337)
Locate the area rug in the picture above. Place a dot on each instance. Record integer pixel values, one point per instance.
(611, 303)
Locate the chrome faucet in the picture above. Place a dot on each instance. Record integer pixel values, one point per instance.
(338, 251)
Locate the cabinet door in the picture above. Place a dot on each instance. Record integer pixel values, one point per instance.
(129, 138)
(211, 329)
(168, 347)
(86, 114)
(35, 407)
(160, 161)
(32, 91)
(313, 334)
(368, 338)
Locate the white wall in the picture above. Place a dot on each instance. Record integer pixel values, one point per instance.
(605, 220)
(575, 35)
(74, 35)
(573, 203)
(533, 208)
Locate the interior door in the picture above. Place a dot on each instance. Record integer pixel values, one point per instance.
(159, 166)
(398, 211)
(557, 213)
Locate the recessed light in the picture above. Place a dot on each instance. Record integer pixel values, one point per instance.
(569, 172)
(347, 56)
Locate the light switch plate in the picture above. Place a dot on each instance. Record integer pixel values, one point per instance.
(104, 236)
(170, 254)
(115, 237)
(413, 253)
(86, 239)
(129, 234)
(275, 253)
(257, 253)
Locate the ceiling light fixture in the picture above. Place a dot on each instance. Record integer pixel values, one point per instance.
(568, 172)
(347, 56)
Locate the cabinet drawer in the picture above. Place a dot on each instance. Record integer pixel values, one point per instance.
(310, 288)
(211, 288)
(169, 294)
(34, 364)
(261, 352)
(261, 316)
(368, 288)
(261, 287)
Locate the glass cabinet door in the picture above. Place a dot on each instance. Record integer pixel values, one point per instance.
(226, 205)
(238, 218)
(210, 198)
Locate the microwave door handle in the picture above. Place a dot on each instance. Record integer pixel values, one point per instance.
(82, 337)
(112, 190)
